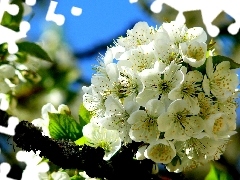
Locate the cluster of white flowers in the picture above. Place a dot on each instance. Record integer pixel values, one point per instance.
(161, 87)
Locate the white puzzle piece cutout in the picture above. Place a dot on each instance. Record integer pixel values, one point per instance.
(10, 130)
(59, 19)
(76, 11)
(8, 35)
(30, 2)
(4, 170)
(210, 9)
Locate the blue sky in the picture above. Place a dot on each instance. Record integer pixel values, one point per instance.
(99, 22)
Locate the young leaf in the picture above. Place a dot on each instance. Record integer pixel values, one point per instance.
(13, 22)
(84, 116)
(77, 177)
(216, 174)
(63, 126)
(218, 59)
(34, 50)
(81, 141)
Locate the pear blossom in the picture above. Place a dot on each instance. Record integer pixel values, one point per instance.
(194, 152)
(60, 176)
(188, 90)
(144, 126)
(98, 136)
(159, 81)
(120, 82)
(138, 59)
(141, 34)
(216, 126)
(179, 123)
(221, 81)
(93, 101)
(166, 51)
(116, 116)
(161, 151)
(194, 53)
(160, 87)
(206, 105)
(228, 107)
(179, 33)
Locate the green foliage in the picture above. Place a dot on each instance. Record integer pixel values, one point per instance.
(218, 59)
(34, 50)
(13, 22)
(217, 174)
(84, 116)
(81, 141)
(63, 126)
(76, 177)
(176, 160)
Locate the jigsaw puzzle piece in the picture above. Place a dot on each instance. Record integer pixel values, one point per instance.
(10, 130)
(59, 19)
(76, 11)
(5, 6)
(4, 170)
(30, 2)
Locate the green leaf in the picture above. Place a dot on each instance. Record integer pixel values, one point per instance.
(217, 174)
(81, 141)
(211, 44)
(11, 21)
(175, 160)
(63, 126)
(218, 59)
(34, 50)
(76, 177)
(84, 116)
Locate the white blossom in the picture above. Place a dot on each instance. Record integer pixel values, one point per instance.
(194, 53)
(160, 87)
(220, 81)
(138, 59)
(117, 114)
(141, 34)
(159, 81)
(60, 176)
(144, 125)
(178, 122)
(98, 136)
(216, 126)
(188, 90)
(161, 151)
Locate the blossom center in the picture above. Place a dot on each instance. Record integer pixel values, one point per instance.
(195, 53)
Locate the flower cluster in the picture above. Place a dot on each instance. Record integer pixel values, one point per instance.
(165, 88)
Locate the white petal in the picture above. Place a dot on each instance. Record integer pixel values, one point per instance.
(155, 107)
(161, 152)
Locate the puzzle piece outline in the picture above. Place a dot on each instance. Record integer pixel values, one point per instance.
(11, 37)
(8, 35)
(10, 130)
(210, 9)
(59, 19)
(4, 170)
